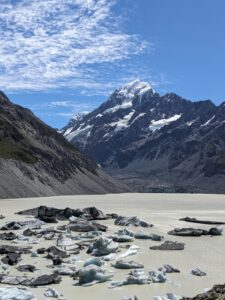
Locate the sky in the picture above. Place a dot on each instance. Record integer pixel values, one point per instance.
(59, 58)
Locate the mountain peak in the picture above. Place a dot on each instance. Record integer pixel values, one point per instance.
(134, 88)
(3, 98)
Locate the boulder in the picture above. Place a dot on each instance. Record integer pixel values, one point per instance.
(45, 280)
(51, 214)
(168, 245)
(196, 231)
(5, 249)
(169, 269)
(8, 236)
(11, 259)
(33, 281)
(92, 213)
(142, 235)
(16, 225)
(188, 232)
(82, 225)
(156, 237)
(26, 268)
(215, 231)
(198, 272)
(56, 252)
(47, 214)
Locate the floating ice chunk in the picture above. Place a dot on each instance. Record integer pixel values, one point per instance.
(14, 293)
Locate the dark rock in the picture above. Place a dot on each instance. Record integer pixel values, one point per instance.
(41, 250)
(198, 272)
(29, 232)
(168, 245)
(54, 252)
(8, 236)
(81, 225)
(45, 280)
(26, 281)
(26, 268)
(11, 226)
(195, 231)
(11, 259)
(188, 232)
(57, 261)
(16, 225)
(51, 214)
(215, 231)
(94, 214)
(47, 214)
(194, 220)
(5, 249)
(169, 269)
(216, 293)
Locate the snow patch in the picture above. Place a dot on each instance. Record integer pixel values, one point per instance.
(156, 125)
(86, 130)
(123, 105)
(209, 121)
(139, 116)
(134, 88)
(123, 123)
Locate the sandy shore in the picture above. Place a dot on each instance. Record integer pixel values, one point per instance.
(164, 211)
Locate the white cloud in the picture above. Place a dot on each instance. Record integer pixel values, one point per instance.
(55, 44)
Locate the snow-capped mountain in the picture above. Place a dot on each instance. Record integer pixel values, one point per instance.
(155, 142)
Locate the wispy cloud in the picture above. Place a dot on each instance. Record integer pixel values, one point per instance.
(60, 44)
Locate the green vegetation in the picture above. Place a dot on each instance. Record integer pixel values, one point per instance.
(10, 150)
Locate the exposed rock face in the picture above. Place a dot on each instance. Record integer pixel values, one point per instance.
(154, 142)
(35, 160)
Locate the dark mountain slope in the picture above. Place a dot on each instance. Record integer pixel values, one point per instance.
(155, 143)
(36, 160)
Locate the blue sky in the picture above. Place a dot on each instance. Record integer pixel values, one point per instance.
(62, 57)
